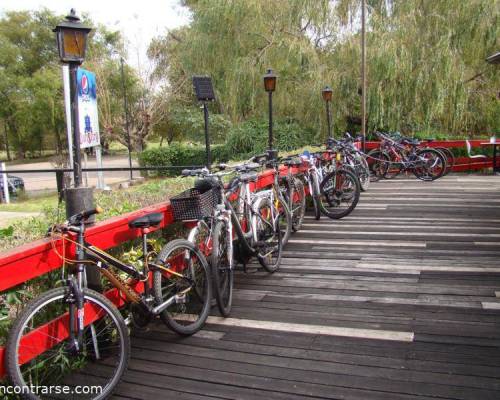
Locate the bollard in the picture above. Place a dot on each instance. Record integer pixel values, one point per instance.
(78, 200)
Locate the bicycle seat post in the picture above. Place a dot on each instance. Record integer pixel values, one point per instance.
(144, 232)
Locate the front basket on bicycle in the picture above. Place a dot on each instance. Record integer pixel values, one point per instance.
(192, 204)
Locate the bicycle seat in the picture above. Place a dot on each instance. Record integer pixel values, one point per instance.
(411, 142)
(292, 162)
(247, 167)
(249, 177)
(146, 221)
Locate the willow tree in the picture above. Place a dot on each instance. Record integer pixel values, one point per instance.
(425, 60)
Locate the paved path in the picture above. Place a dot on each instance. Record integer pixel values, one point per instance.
(6, 217)
(400, 300)
(47, 180)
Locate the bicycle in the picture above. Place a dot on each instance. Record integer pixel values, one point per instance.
(71, 335)
(278, 194)
(256, 223)
(426, 164)
(334, 189)
(294, 192)
(353, 159)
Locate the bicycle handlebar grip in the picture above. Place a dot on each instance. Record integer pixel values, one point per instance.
(88, 213)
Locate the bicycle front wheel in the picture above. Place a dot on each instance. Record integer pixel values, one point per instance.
(185, 284)
(40, 354)
(339, 194)
(222, 273)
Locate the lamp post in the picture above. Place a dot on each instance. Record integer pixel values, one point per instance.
(71, 37)
(270, 87)
(327, 94)
(125, 107)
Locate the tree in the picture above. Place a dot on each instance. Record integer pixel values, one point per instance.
(425, 61)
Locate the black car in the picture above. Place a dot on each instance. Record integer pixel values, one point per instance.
(15, 183)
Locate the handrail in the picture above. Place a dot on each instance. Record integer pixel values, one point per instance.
(35, 259)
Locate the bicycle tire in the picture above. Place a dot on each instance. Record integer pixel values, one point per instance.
(269, 230)
(363, 172)
(376, 164)
(334, 195)
(286, 220)
(450, 159)
(179, 316)
(297, 207)
(423, 173)
(34, 307)
(315, 199)
(222, 273)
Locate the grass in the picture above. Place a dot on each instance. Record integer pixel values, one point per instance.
(116, 202)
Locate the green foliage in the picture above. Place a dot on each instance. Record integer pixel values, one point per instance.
(179, 154)
(6, 232)
(187, 123)
(251, 137)
(31, 96)
(426, 68)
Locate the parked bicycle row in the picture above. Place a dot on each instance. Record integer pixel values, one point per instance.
(398, 154)
(73, 334)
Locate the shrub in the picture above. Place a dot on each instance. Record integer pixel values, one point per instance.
(251, 137)
(179, 154)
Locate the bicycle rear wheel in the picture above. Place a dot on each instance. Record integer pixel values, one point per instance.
(430, 166)
(339, 193)
(363, 172)
(270, 235)
(377, 163)
(189, 288)
(450, 159)
(297, 201)
(222, 273)
(40, 355)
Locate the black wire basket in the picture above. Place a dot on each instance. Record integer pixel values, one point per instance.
(193, 204)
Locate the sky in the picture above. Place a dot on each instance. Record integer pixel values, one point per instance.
(139, 21)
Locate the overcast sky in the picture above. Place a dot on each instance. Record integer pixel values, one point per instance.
(139, 21)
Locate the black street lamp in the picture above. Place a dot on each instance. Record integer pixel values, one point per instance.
(270, 87)
(327, 94)
(71, 36)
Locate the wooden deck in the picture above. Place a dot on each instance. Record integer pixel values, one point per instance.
(401, 300)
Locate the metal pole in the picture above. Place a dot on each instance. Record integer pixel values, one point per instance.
(5, 182)
(363, 72)
(270, 140)
(328, 119)
(207, 140)
(127, 128)
(77, 158)
(67, 107)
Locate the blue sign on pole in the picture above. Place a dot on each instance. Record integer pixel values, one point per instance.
(87, 109)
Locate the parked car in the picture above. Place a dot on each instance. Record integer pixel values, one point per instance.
(15, 184)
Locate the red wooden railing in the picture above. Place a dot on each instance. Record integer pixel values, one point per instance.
(35, 259)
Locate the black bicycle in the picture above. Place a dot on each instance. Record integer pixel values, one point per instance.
(75, 336)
